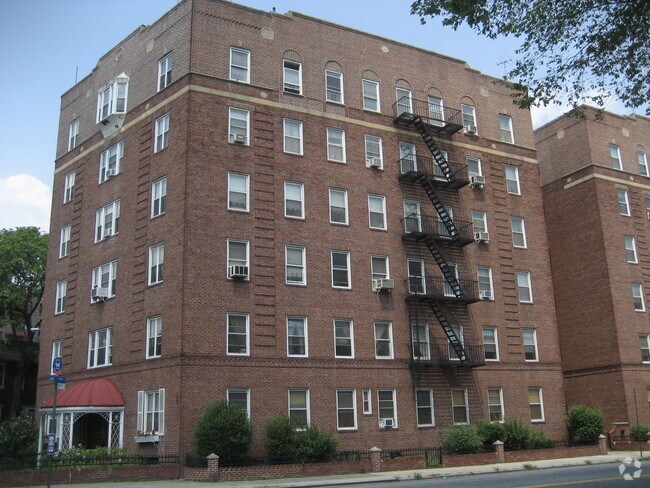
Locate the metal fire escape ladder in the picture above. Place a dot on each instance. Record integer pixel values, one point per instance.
(447, 321)
(445, 218)
(447, 271)
(433, 147)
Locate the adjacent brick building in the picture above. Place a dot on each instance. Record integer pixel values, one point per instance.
(596, 189)
(351, 228)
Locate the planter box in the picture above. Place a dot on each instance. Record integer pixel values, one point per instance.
(144, 439)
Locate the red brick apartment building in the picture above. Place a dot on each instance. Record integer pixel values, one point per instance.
(596, 188)
(300, 218)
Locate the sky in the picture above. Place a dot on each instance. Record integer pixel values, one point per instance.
(46, 44)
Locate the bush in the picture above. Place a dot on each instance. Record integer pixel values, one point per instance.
(316, 445)
(18, 436)
(639, 433)
(285, 440)
(585, 423)
(99, 456)
(539, 440)
(281, 437)
(224, 429)
(461, 440)
(490, 432)
(516, 435)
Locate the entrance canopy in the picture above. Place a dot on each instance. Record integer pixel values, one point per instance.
(98, 392)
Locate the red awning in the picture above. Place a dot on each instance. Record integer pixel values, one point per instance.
(99, 392)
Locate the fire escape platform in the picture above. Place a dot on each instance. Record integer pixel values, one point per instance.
(441, 356)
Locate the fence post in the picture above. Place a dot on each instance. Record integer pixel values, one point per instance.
(602, 443)
(375, 458)
(213, 467)
(498, 449)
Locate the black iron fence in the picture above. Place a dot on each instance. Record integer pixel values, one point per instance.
(63, 461)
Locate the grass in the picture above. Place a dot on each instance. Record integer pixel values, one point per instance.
(417, 476)
(530, 467)
(588, 461)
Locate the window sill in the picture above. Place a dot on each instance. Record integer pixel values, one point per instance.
(538, 421)
(303, 285)
(338, 104)
(153, 217)
(239, 145)
(378, 229)
(293, 154)
(293, 94)
(145, 439)
(151, 285)
(370, 111)
(425, 427)
(336, 162)
(347, 431)
(294, 218)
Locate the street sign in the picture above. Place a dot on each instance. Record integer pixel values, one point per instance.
(57, 379)
(57, 364)
(50, 443)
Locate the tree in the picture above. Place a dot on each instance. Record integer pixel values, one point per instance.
(584, 50)
(23, 253)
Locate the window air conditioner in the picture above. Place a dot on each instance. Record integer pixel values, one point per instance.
(470, 129)
(386, 423)
(99, 293)
(107, 233)
(110, 172)
(482, 237)
(238, 272)
(374, 162)
(485, 294)
(382, 284)
(477, 181)
(238, 138)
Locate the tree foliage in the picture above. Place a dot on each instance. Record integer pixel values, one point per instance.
(224, 429)
(578, 51)
(18, 436)
(585, 423)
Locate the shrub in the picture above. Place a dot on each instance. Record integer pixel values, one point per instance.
(18, 436)
(585, 423)
(281, 437)
(490, 432)
(461, 440)
(224, 429)
(316, 445)
(639, 433)
(285, 440)
(81, 457)
(516, 435)
(539, 440)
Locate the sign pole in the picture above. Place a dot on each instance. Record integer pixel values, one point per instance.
(50, 451)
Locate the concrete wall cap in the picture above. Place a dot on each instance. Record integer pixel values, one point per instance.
(497, 443)
(213, 456)
(375, 449)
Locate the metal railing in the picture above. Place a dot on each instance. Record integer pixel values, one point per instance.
(62, 461)
(440, 289)
(442, 354)
(442, 120)
(419, 224)
(425, 165)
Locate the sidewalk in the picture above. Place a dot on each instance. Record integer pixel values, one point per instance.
(611, 457)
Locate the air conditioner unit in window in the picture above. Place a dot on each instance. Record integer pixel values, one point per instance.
(110, 172)
(482, 237)
(98, 293)
(373, 162)
(470, 129)
(382, 284)
(107, 233)
(238, 272)
(386, 423)
(238, 138)
(477, 181)
(485, 294)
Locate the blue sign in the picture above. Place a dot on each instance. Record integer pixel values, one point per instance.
(57, 365)
(57, 379)
(50, 443)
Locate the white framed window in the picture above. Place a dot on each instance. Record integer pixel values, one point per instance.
(240, 60)
(408, 158)
(161, 138)
(293, 136)
(73, 134)
(518, 232)
(154, 337)
(536, 402)
(334, 86)
(412, 216)
(238, 257)
(479, 221)
(474, 166)
(436, 111)
(151, 412)
(370, 91)
(61, 290)
(485, 286)
(346, 409)
(297, 340)
(424, 407)
(367, 401)
(615, 156)
(165, 72)
(505, 127)
(644, 342)
(238, 192)
(107, 220)
(299, 408)
(64, 242)
(623, 202)
(338, 206)
(377, 211)
(642, 159)
(490, 344)
(416, 276)
(158, 197)
(420, 342)
(335, 145)
(57, 352)
(110, 162)
(238, 337)
(341, 269)
(404, 100)
(469, 116)
(238, 126)
(637, 297)
(240, 397)
(524, 287)
(100, 348)
(530, 345)
(374, 152)
(292, 71)
(460, 406)
(512, 179)
(630, 249)
(105, 276)
(387, 405)
(112, 98)
(68, 187)
(295, 265)
(156, 263)
(294, 200)
(343, 338)
(383, 339)
(379, 267)
(495, 404)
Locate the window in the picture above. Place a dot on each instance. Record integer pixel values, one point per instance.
(469, 116)
(165, 72)
(436, 111)
(237, 256)
(458, 332)
(377, 211)
(68, 187)
(518, 232)
(156, 263)
(379, 267)
(485, 288)
(420, 342)
(346, 409)
(417, 282)
(295, 269)
(238, 334)
(73, 134)
(64, 243)
(162, 133)
(630, 249)
(333, 86)
(637, 297)
(57, 352)
(112, 98)
(154, 337)
(292, 77)
(424, 406)
(104, 277)
(374, 152)
(151, 412)
(495, 404)
(100, 348)
(294, 200)
(297, 337)
(383, 339)
(238, 190)
(615, 156)
(240, 64)
(370, 95)
(341, 269)
(338, 206)
(343, 338)
(299, 406)
(473, 166)
(505, 127)
(479, 221)
(238, 125)
(490, 344)
(107, 221)
(293, 136)
(407, 158)
(110, 162)
(412, 217)
(647, 206)
(536, 403)
(459, 407)
(61, 290)
(643, 162)
(644, 341)
(512, 180)
(404, 101)
(386, 405)
(158, 197)
(530, 345)
(367, 402)
(335, 145)
(240, 397)
(524, 287)
(623, 202)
